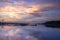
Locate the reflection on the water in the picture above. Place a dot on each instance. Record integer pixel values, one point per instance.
(19, 33)
(28, 33)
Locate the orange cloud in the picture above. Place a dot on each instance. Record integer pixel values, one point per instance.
(18, 9)
(15, 11)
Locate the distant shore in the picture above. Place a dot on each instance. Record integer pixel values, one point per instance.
(15, 24)
(52, 24)
(47, 24)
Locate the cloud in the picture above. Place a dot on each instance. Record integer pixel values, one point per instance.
(4, 1)
(46, 1)
(17, 11)
(23, 10)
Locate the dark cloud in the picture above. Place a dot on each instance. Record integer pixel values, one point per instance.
(50, 6)
(4, 0)
(48, 1)
(52, 0)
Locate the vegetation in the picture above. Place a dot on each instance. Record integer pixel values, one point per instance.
(53, 24)
(47, 24)
(18, 24)
(15, 24)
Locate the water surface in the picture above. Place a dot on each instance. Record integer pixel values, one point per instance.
(39, 32)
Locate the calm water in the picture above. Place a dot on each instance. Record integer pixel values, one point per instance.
(39, 32)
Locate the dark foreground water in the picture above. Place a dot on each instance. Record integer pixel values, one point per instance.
(39, 32)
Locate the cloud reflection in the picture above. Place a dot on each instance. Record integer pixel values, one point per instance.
(16, 33)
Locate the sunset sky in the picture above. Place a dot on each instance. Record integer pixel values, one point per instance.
(29, 10)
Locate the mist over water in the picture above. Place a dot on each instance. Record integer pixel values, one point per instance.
(39, 32)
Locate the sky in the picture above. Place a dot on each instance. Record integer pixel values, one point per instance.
(29, 10)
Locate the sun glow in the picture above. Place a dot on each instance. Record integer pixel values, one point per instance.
(11, 30)
(7, 27)
(17, 12)
(12, 10)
